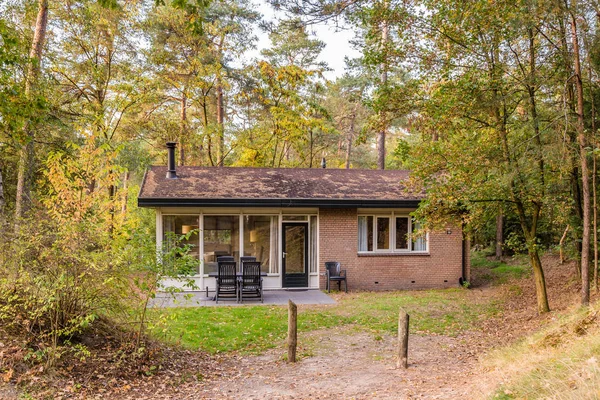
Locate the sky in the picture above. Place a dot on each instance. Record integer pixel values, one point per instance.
(337, 42)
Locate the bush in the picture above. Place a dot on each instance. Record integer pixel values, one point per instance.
(56, 280)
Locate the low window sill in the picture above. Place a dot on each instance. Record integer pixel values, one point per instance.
(397, 254)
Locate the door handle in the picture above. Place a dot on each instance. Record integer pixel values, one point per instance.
(284, 254)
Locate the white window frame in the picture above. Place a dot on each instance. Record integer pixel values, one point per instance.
(160, 214)
(392, 218)
(376, 232)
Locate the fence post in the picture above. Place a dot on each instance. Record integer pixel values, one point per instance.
(292, 339)
(403, 339)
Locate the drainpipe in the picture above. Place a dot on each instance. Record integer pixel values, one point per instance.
(171, 171)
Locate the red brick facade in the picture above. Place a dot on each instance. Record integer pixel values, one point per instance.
(441, 267)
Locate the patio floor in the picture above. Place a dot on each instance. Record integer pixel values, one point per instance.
(271, 297)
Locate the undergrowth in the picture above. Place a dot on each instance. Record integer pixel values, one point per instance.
(499, 272)
(561, 361)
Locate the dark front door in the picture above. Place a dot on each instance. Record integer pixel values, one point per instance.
(295, 254)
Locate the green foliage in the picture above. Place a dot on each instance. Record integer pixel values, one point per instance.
(500, 272)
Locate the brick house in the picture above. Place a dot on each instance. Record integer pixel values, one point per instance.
(294, 220)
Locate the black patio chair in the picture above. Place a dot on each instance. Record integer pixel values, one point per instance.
(227, 285)
(244, 259)
(251, 281)
(225, 258)
(334, 273)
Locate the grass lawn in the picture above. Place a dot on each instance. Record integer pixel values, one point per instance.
(252, 329)
(500, 272)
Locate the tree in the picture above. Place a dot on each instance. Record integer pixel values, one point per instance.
(26, 157)
(283, 102)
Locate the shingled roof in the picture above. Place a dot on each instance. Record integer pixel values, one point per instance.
(276, 187)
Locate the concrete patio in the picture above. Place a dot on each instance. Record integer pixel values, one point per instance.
(271, 297)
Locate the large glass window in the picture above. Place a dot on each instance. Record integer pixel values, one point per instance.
(419, 238)
(174, 227)
(365, 233)
(383, 233)
(385, 230)
(221, 238)
(314, 239)
(261, 240)
(401, 233)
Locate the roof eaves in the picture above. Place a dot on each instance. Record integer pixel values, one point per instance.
(279, 203)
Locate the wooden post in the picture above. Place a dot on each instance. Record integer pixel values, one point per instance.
(292, 339)
(403, 339)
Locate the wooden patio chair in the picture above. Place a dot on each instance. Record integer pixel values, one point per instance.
(227, 284)
(334, 273)
(251, 282)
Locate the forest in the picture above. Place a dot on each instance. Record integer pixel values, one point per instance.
(492, 104)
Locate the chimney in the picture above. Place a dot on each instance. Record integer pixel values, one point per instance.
(171, 172)
(323, 163)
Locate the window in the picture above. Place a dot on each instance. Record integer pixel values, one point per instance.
(383, 233)
(260, 240)
(221, 238)
(390, 233)
(419, 238)
(365, 233)
(174, 226)
(314, 240)
(401, 233)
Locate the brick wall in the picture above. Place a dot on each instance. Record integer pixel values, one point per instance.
(442, 267)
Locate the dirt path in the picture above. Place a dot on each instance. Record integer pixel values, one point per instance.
(351, 365)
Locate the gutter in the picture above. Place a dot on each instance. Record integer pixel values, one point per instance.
(280, 203)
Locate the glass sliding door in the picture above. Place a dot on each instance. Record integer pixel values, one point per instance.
(174, 227)
(221, 238)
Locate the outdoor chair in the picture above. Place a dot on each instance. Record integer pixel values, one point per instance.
(251, 281)
(227, 287)
(244, 259)
(334, 273)
(225, 258)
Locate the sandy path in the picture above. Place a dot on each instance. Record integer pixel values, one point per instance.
(351, 365)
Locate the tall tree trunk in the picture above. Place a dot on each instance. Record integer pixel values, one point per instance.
(2, 199)
(220, 120)
(382, 112)
(349, 140)
(585, 179)
(540, 281)
(594, 171)
(595, 207)
(499, 233)
(126, 192)
(27, 153)
(182, 128)
(571, 137)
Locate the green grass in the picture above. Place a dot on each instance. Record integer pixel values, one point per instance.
(256, 328)
(499, 272)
